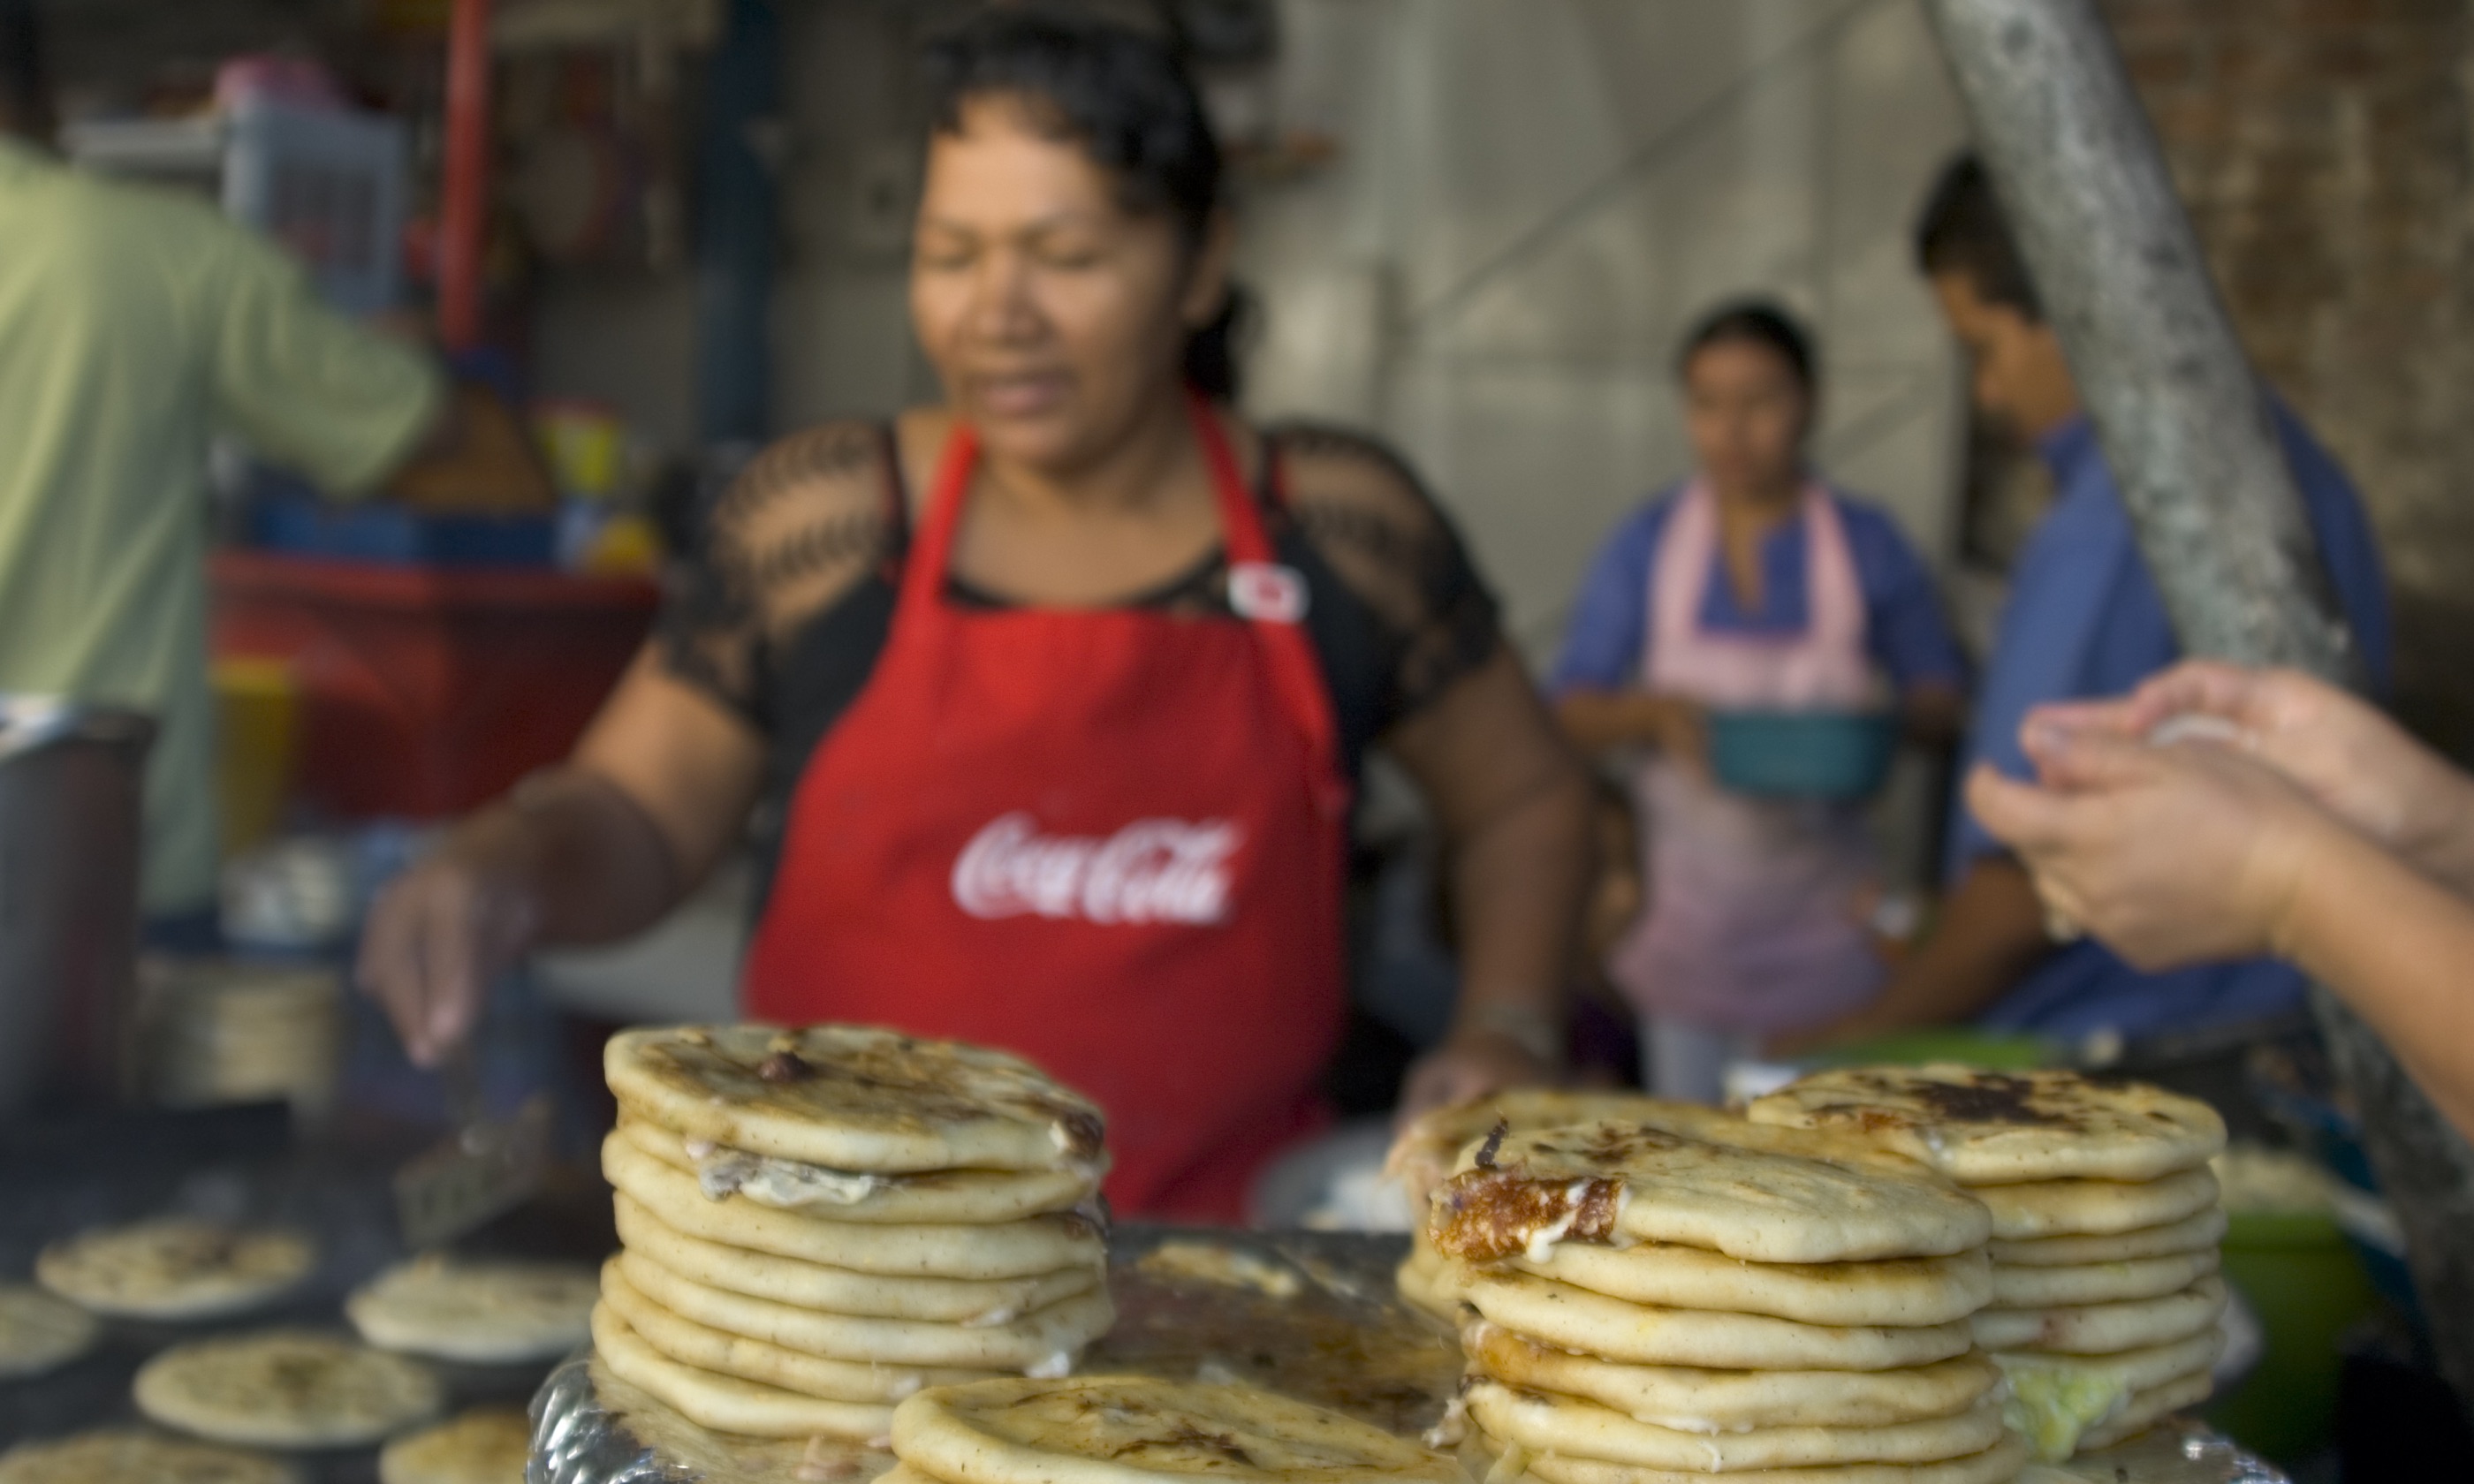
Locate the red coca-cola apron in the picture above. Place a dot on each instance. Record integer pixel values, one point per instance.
(1107, 840)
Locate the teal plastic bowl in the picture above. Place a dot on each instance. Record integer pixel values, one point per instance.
(1837, 755)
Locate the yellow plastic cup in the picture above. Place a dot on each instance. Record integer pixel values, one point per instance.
(585, 444)
(258, 709)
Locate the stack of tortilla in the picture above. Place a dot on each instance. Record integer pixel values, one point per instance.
(2105, 1226)
(1422, 1159)
(1124, 1429)
(216, 1031)
(1669, 1297)
(817, 1223)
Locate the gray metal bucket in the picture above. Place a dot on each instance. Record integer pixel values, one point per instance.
(71, 779)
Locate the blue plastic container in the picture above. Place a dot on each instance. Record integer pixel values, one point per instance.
(304, 525)
(1834, 755)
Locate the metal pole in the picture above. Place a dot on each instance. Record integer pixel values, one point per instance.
(464, 196)
(2185, 426)
(735, 230)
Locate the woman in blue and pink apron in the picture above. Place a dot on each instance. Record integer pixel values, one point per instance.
(1048, 702)
(1752, 586)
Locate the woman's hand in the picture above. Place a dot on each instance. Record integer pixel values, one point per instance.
(1680, 730)
(591, 852)
(1598, 720)
(2355, 761)
(1471, 1064)
(2172, 854)
(440, 935)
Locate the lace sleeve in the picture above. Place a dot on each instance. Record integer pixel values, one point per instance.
(810, 518)
(1365, 514)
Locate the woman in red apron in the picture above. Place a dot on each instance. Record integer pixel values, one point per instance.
(1050, 702)
(1751, 588)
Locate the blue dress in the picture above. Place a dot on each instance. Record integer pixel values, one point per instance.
(1906, 629)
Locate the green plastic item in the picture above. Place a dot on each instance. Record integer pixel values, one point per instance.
(1988, 1050)
(2302, 1278)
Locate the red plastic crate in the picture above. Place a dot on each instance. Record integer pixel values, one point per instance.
(426, 691)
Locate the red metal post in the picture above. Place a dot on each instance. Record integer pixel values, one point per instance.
(464, 195)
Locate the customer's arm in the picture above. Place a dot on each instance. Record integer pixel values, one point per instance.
(2393, 944)
(2194, 852)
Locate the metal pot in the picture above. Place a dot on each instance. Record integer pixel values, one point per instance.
(72, 778)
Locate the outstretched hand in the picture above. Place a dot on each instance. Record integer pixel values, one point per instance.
(2346, 753)
(437, 938)
(1470, 1065)
(2172, 854)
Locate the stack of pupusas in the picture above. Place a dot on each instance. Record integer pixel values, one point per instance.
(1122, 1429)
(2105, 1226)
(817, 1223)
(1672, 1296)
(1422, 1156)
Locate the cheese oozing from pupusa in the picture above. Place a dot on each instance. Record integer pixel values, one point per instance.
(1490, 1212)
(786, 1184)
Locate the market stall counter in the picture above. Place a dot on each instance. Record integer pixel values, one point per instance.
(984, 1167)
(1312, 1315)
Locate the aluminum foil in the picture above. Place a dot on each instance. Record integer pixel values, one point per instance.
(1312, 1315)
(590, 1427)
(576, 1440)
(2177, 1452)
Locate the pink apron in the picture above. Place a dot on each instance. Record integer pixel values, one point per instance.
(1755, 922)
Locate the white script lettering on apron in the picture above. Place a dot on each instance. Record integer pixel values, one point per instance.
(1152, 870)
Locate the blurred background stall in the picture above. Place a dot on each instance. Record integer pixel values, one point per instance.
(1477, 227)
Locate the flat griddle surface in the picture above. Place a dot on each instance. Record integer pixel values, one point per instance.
(240, 1165)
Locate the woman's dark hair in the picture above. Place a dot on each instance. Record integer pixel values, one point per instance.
(1754, 322)
(1123, 94)
(1961, 231)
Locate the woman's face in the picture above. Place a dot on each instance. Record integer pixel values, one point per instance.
(1746, 414)
(1054, 316)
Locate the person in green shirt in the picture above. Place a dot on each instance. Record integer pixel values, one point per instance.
(134, 324)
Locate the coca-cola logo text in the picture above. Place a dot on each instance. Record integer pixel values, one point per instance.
(1152, 870)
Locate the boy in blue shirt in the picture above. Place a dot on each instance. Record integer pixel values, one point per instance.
(2084, 618)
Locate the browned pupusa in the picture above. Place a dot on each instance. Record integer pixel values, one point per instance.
(853, 1098)
(1984, 1128)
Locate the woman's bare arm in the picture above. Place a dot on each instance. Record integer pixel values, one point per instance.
(1514, 806)
(2393, 944)
(593, 851)
(1600, 721)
